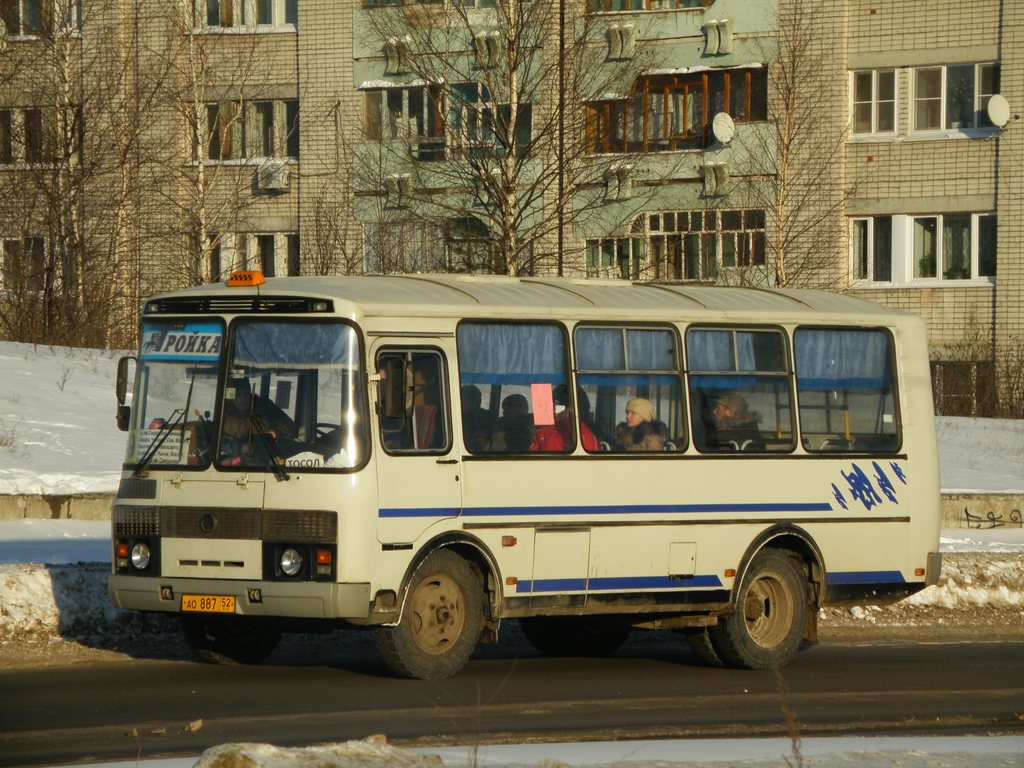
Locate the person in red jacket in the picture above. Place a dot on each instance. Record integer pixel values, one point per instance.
(558, 437)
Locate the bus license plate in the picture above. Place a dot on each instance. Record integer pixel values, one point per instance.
(208, 603)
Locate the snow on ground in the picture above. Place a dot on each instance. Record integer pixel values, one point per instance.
(57, 432)
(885, 752)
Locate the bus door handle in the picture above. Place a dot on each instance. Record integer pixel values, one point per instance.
(447, 461)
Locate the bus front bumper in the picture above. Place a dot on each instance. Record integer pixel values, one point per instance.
(307, 600)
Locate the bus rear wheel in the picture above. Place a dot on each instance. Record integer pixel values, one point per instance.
(440, 623)
(766, 627)
(229, 639)
(573, 635)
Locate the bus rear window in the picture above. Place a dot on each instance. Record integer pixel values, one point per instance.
(844, 380)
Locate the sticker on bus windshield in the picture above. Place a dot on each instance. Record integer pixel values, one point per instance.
(191, 341)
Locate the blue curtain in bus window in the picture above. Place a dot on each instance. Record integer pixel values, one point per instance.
(603, 349)
(650, 350)
(709, 350)
(293, 345)
(600, 349)
(842, 359)
(504, 353)
(726, 350)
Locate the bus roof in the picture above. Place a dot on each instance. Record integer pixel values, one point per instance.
(444, 295)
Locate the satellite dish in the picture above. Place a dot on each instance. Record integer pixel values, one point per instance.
(998, 110)
(723, 128)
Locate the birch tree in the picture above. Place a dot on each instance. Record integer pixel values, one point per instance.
(485, 144)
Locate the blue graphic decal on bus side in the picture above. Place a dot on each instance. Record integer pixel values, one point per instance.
(861, 485)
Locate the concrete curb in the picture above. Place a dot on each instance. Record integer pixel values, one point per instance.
(959, 510)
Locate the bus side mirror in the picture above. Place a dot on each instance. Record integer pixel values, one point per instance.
(392, 388)
(121, 383)
(124, 412)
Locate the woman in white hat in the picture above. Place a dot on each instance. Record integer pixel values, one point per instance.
(640, 431)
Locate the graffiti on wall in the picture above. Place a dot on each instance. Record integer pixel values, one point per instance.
(992, 519)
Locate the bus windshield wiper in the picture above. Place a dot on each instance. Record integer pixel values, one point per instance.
(270, 444)
(177, 417)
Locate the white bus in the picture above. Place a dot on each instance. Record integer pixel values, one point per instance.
(427, 455)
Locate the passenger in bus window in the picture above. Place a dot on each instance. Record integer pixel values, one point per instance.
(731, 425)
(640, 431)
(557, 437)
(477, 423)
(514, 430)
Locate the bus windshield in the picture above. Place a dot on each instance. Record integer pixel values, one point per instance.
(175, 394)
(292, 397)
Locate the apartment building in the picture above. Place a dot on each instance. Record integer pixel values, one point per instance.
(937, 229)
(844, 144)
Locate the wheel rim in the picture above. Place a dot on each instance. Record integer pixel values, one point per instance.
(436, 613)
(768, 611)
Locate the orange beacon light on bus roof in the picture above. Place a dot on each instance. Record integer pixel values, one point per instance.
(246, 278)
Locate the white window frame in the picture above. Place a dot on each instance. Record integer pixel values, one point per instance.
(875, 102)
(244, 16)
(250, 135)
(903, 252)
(869, 244)
(979, 100)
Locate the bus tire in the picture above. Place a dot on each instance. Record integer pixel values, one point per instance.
(229, 639)
(440, 623)
(573, 635)
(700, 643)
(766, 627)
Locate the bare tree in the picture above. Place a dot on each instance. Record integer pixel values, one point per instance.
(798, 165)
(199, 179)
(481, 155)
(66, 214)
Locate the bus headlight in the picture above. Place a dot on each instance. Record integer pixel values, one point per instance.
(291, 562)
(140, 555)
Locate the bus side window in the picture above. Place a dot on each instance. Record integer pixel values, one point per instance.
(519, 369)
(629, 388)
(846, 390)
(739, 390)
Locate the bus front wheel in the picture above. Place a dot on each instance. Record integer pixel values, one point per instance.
(440, 622)
(229, 639)
(766, 627)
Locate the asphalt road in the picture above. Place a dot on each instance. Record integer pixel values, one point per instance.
(649, 689)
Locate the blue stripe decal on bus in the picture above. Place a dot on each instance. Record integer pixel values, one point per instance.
(865, 577)
(636, 509)
(653, 582)
(552, 585)
(419, 512)
(611, 583)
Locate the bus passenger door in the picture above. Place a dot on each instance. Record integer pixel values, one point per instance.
(418, 473)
